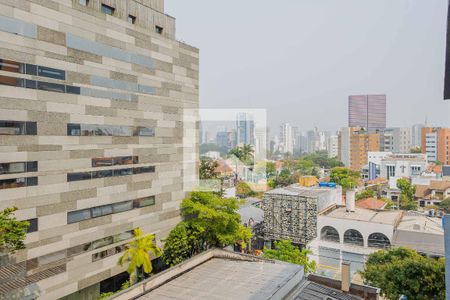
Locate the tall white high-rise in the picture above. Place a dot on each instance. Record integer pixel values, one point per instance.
(286, 138)
(416, 133)
(333, 146)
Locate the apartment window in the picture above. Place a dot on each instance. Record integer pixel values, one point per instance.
(131, 19)
(11, 66)
(17, 128)
(18, 182)
(106, 9)
(114, 161)
(84, 2)
(33, 225)
(80, 176)
(159, 29)
(107, 130)
(51, 87)
(51, 73)
(390, 171)
(104, 210)
(18, 167)
(144, 202)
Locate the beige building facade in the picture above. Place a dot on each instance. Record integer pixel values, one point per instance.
(98, 126)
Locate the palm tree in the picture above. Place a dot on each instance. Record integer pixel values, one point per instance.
(247, 153)
(137, 255)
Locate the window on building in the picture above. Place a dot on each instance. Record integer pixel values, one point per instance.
(78, 216)
(33, 225)
(131, 19)
(84, 2)
(11, 66)
(108, 173)
(107, 130)
(114, 161)
(378, 240)
(18, 167)
(51, 73)
(329, 233)
(18, 182)
(106, 9)
(159, 29)
(353, 237)
(144, 202)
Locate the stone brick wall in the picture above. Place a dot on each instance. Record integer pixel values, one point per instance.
(123, 74)
(290, 217)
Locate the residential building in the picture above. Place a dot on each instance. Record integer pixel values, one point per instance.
(416, 132)
(220, 274)
(397, 140)
(291, 212)
(374, 163)
(354, 145)
(95, 137)
(286, 138)
(432, 193)
(436, 144)
(333, 146)
(368, 111)
(245, 129)
(402, 166)
(313, 141)
(352, 233)
(446, 171)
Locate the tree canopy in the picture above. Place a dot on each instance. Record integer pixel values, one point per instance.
(209, 221)
(286, 251)
(407, 194)
(208, 168)
(137, 255)
(321, 159)
(12, 231)
(402, 271)
(365, 194)
(345, 177)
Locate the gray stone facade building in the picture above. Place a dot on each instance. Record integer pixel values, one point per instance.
(291, 212)
(97, 136)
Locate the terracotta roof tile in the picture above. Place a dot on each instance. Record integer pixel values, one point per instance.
(370, 203)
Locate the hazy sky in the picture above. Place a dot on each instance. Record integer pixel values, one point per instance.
(300, 59)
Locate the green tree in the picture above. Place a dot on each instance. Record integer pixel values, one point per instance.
(407, 193)
(137, 255)
(286, 251)
(402, 271)
(345, 177)
(208, 168)
(445, 205)
(266, 168)
(307, 168)
(179, 245)
(12, 231)
(243, 190)
(365, 194)
(321, 159)
(214, 218)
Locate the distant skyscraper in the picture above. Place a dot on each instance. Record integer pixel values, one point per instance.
(368, 111)
(287, 141)
(245, 129)
(333, 146)
(396, 140)
(416, 132)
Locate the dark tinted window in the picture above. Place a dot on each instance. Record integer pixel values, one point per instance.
(114, 161)
(106, 9)
(123, 172)
(79, 176)
(51, 87)
(107, 130)
(51, 73)
(148, 201)
(73, 89)
(144, 131)
(11, 81)
(142, 170)
(18, 182)
(122, 206)
(18, 167)
(33, 225)
(30, 84)
(17, 128)
(131, 19)
(31, 69)
(78, 216)
(101, 211)
(159, 29)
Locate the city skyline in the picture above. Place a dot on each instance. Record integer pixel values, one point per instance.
(330, 58)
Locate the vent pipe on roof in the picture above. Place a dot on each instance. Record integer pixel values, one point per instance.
(345, 277)
(350, 200)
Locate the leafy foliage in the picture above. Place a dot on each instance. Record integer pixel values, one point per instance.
(402, 271)
(408, 192)
(286, 251)
(204, 148)
(137, 255)
(208, 169)
(12, 231)
(244, 190)
(445, 205)
(365, 194)
(209, 221)
(266, 168)
(345, 177)
(244, 153)
(321, 159)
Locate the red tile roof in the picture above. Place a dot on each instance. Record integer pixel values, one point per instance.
(370, 203)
